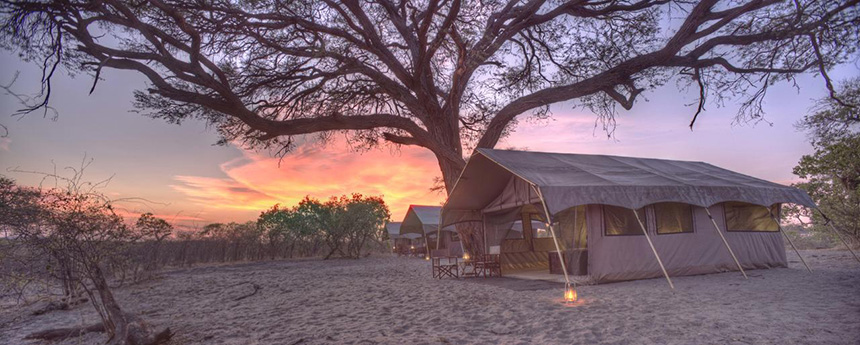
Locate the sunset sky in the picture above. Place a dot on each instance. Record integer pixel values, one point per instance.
(177, 173)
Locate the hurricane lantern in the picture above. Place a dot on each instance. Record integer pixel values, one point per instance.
(465, 256)
(570, 295)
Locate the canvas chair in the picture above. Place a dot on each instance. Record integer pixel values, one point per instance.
(490, 264)
(445, 267)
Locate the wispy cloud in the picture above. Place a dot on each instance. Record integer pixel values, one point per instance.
(133, 214)
(4, 144)
(256, 181)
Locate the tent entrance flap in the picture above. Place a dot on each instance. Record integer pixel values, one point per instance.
(524, 238)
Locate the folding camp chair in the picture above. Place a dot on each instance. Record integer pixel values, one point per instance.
(490, 264)
(444, 267)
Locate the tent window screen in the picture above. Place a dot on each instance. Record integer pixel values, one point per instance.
(539, 227)
(515, 231)
(673, 217)
(620, 221)
(571, 228)
(741, 216)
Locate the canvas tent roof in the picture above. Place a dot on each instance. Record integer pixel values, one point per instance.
(393, 229)
(502, 178)
(421, 220)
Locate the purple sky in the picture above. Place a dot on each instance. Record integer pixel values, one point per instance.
(187, 179)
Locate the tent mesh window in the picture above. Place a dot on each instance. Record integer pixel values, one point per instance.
(571, 227)
(620, 221)
(539, 227)
(673, 217)
(741, 216)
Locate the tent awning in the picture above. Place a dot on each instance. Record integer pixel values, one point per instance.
(421, 220)
(496, 178)
(393, 229)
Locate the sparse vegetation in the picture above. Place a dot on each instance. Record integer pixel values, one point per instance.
(832, 172)
(75, 236)
(67, 245)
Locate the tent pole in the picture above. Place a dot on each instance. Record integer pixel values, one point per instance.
(833, 227)
(554, 238)
(426, 243)
(484, 231)
(788, 238)
(644, 231)
(717, 229)
(439, 230)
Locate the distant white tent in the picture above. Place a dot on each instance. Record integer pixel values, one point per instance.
(610, 216)
(393, 229)
(423, 221)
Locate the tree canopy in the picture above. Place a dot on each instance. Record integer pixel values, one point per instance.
(832, 172)
(345, 223)
(447, 75)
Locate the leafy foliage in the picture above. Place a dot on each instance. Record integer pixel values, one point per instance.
(345, 224)
(151, 227)
(832, 173)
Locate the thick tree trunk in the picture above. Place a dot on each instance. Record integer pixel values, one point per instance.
(471, 234)
(123, 329)
(114, 320)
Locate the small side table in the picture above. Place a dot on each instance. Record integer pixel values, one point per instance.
(467, 267)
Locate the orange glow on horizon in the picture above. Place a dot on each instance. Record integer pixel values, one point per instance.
(255, 182)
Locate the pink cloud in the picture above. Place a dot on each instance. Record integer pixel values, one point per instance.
(257, 181)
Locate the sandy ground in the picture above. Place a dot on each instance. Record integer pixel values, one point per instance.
(393, 300)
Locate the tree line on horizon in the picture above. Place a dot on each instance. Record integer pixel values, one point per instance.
(345, 226)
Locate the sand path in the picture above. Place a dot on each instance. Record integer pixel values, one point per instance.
(389, 300)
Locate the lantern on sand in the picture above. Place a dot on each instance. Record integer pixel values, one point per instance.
(569, 294)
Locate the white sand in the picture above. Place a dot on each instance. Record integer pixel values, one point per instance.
(394, 300)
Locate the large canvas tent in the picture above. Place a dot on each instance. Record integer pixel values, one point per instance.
(423, 221)
(699, 218)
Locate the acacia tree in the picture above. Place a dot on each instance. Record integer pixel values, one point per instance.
(155, 230)
(364, 219)
(832, 172)
(275, 224)
(446, 75)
